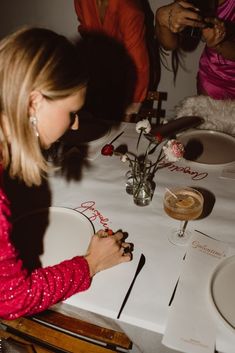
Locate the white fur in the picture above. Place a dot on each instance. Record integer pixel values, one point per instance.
(219, 115)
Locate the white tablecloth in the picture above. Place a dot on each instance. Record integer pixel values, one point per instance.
(100, 194)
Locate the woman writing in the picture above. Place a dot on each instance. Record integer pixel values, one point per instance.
(41, 89)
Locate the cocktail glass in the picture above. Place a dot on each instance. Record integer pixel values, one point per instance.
(184, 204)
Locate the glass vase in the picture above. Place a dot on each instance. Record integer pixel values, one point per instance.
(142, 191)
(129, 182)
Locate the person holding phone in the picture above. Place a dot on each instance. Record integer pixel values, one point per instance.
(215, 76)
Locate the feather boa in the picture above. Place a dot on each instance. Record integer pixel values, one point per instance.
(219, 115)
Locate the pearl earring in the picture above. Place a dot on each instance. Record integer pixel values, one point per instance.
(33, 120)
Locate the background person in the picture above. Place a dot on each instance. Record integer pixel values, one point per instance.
(124, 22)
(215, 76)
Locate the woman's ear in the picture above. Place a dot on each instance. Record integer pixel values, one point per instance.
(35, 100)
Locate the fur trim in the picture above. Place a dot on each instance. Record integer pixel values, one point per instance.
(219, 115)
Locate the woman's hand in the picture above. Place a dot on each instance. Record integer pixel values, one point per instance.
(215, 35)
(106, 251)
(184, 14)
(178, 15)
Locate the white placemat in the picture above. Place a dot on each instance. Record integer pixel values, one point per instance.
(191, 328)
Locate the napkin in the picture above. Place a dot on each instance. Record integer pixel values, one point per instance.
(191, 328)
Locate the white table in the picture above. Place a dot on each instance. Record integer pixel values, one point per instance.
(103, 182)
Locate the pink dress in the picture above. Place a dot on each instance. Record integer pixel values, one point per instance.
(216, 75)
(23, 293)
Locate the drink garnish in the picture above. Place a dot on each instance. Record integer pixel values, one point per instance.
(170, 192)
(185, 202)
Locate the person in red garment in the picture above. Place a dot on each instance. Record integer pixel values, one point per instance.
(123, 21)
(42, 88)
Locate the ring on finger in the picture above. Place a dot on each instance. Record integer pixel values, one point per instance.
(127, 249)
(105, 233)
(102, 235)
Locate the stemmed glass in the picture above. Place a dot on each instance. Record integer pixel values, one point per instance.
(184, 204)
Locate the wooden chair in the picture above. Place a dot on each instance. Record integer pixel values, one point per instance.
(51, 332)
(152, 107)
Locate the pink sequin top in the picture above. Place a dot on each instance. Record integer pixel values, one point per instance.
(216, 75)
(23, 293)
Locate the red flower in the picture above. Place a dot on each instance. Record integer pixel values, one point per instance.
(158, 137)
(107, 150)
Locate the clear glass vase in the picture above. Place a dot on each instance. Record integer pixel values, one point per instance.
(129, 182)
(142, 191)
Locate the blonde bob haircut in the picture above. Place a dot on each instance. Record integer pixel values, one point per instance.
(32, 59)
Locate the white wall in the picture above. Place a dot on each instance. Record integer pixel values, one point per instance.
(60, 16)
(186, 79)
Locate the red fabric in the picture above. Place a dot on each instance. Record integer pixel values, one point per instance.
(124, 21)
(22, 293)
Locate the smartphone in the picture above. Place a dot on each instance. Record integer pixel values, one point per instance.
(207, 7)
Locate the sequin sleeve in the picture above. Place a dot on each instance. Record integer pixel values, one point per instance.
(22, 293)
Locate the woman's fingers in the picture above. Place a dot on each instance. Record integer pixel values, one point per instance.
(107, 249)
(127, 247)
(187, 5)
(126, 251)
(182, 14)
(215, 35)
